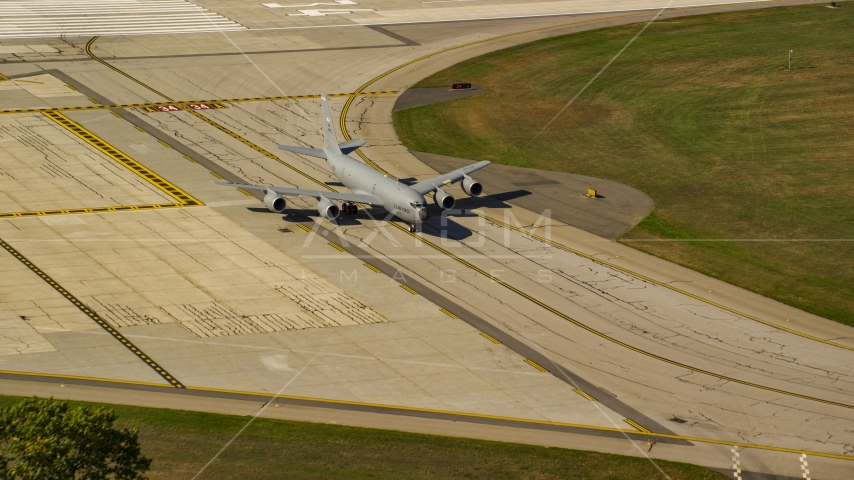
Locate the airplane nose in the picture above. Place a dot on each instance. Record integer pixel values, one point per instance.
(423, 213)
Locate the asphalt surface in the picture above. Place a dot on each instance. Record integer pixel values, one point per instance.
(418, 97)
(235, 301)
(614, 211)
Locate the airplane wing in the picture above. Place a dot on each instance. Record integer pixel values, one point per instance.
(432, 184)
(345, 147)
(293, 192)
(311, 152)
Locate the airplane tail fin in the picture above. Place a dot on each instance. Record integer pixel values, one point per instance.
(330, 141)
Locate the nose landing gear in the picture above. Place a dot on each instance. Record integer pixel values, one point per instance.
(411, 228)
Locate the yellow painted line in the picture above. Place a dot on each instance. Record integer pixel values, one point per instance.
(607, 337)
(337, 247)
(447, 412)
(244, 191)
(408, 289)
(373, 268)
(137, 127)
(161, 142)
(29, 81)
(94, 57)
(540, 422)
(588, 397)
(217, 175)
(90, 313)
(478, 270)
(254, 147)
(217, 104)
(662, 284)
(347, 137)
(636, 425)
(304, 227)
(535, 365)
(75, 211)
(91, 379)
(182, 197)
(367, 160)
(190, 159)
(490, 338)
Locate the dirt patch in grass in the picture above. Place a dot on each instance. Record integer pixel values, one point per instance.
(698, 114)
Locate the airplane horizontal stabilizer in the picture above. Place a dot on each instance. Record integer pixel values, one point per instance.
(348, 147)
(311, 152)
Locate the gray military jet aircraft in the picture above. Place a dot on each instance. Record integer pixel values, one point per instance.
(368, 186)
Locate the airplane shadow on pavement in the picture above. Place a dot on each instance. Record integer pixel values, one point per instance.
(437, 226)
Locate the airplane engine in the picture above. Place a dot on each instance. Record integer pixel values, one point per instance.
(444, 200)
(472, 187)
(328, 209)
(274, 202)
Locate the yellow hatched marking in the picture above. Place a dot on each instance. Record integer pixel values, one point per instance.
(190, 159)
(217, 175)
(116, 114)
(217, 104)
(373, 268)
(72, 87)
(161, 142)
(588, 397)
(138, 127)
(244, 191)
(182, 197)
(3, 78)
(83, 308)
(636, 425)
(337, 247)
(490, 338)
(304, 227)
(535, 365)
(409, 289)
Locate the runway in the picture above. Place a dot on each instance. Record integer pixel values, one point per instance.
(132, 267)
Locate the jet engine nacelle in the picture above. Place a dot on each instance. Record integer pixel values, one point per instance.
(328, 209)
(274, 202)
(472, 187)
(443, 200)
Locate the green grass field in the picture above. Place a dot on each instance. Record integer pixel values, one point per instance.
(181, 442)
(698, 113)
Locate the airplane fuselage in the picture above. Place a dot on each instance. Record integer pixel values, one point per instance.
(397, 198)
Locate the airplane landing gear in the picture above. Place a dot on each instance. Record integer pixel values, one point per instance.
(349, 208)
(411, 228)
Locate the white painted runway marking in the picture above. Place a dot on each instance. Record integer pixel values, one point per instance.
(318, 4)
(69, 18)
(323, 13)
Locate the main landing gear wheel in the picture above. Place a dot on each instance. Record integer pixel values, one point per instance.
(411, 228)
(350, 208)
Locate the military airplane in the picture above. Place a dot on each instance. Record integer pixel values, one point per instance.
(368, 186)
